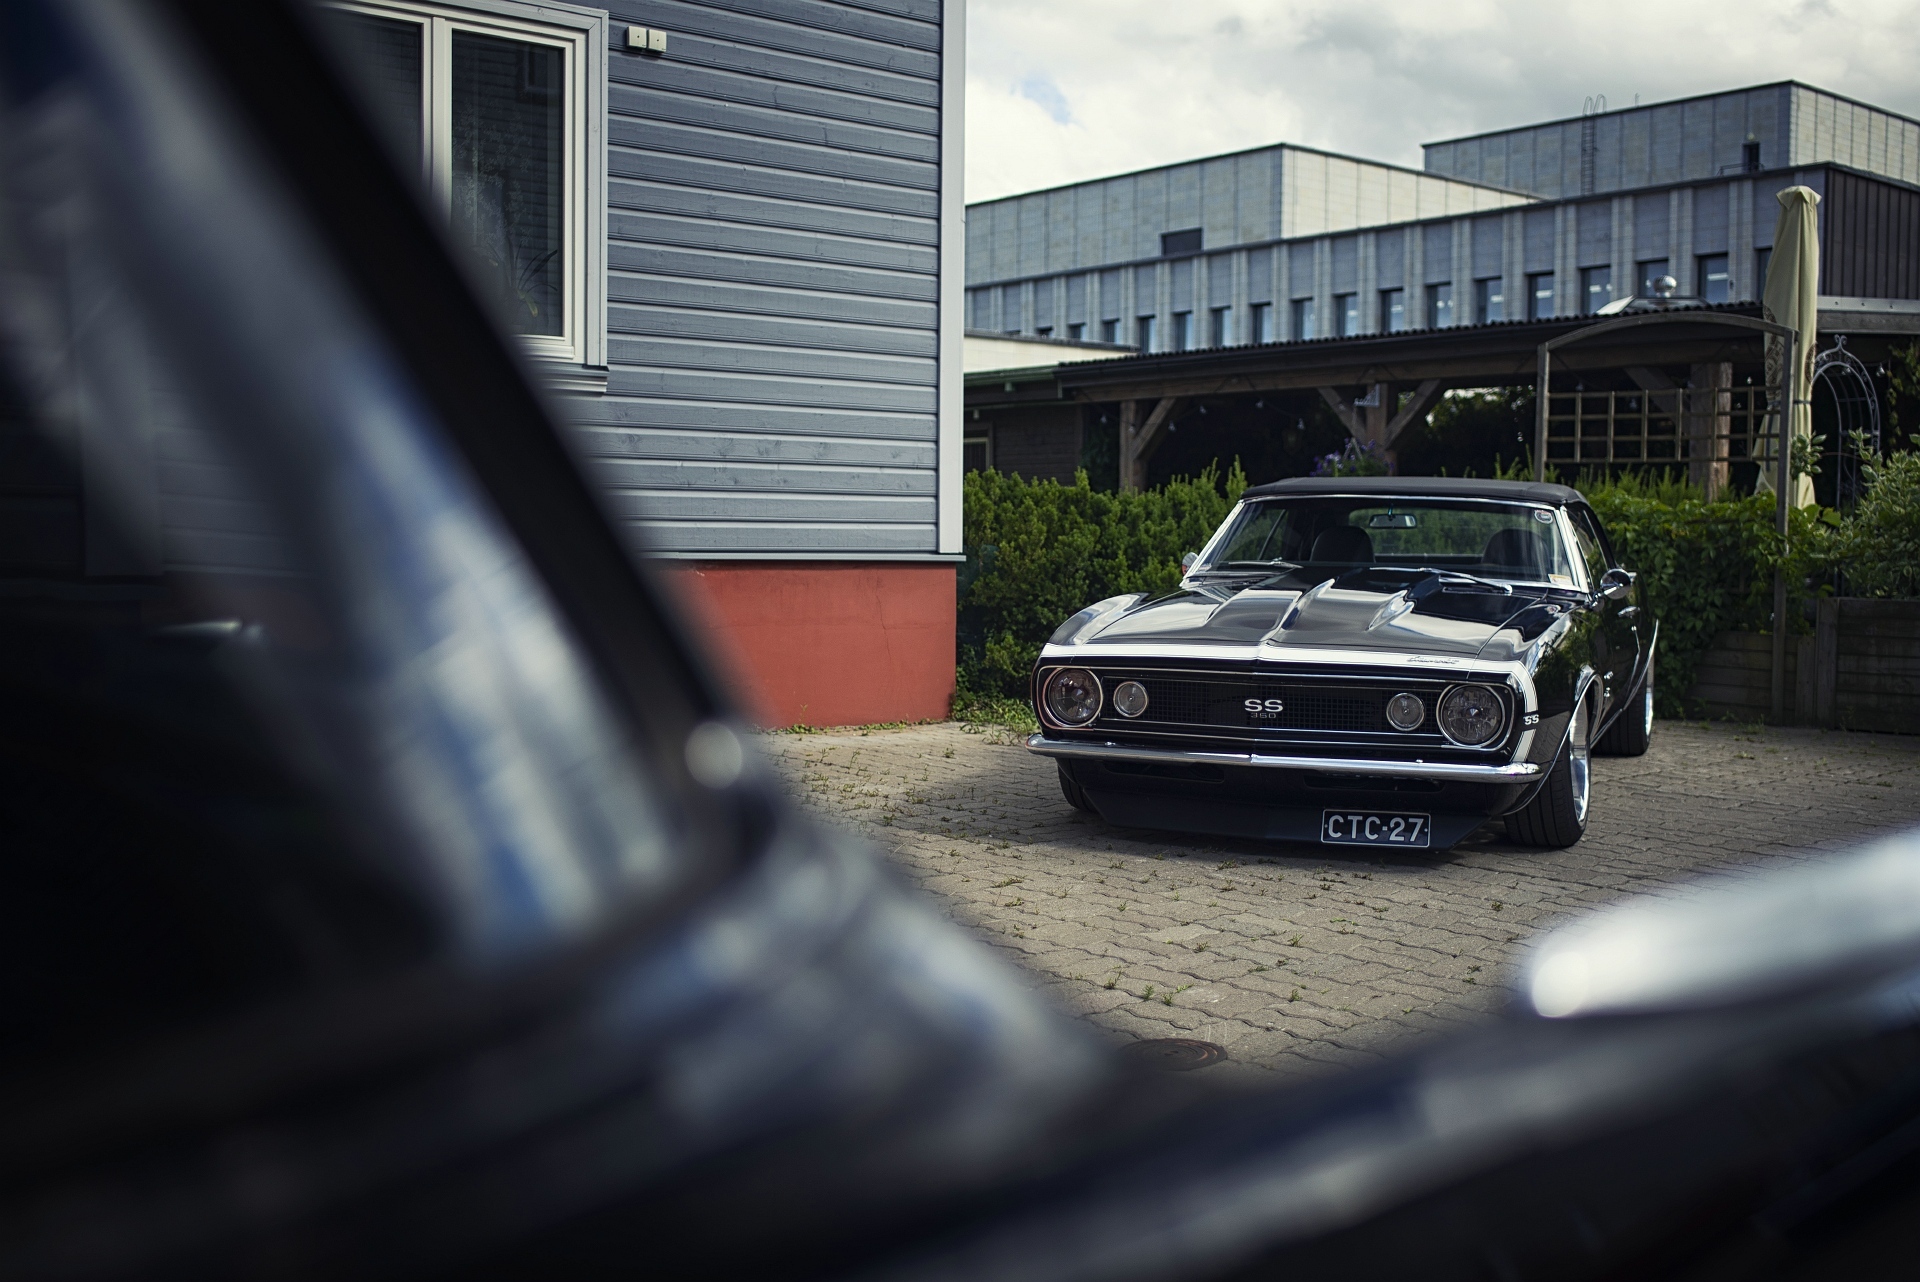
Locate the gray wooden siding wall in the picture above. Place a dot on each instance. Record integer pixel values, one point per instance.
(1687, 141)
(1677, 226)
(773, 259)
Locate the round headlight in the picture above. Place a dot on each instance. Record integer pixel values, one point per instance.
(1406, 712)
(1130, 698)
(1471, 716)
(1073, 696)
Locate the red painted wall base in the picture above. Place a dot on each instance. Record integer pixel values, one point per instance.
(827, 643)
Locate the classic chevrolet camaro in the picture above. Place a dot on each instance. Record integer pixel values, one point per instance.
(1374, 661)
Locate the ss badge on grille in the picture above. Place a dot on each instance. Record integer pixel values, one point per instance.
(1265, 707)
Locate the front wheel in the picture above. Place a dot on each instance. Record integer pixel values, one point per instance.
(1632, 730)
(1070, 789)
(1557, 816)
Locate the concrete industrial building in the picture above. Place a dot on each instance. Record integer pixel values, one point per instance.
(1549, 220)
(1283, 245)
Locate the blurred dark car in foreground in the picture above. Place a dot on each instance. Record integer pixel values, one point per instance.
(387, 891)
(1361, 661)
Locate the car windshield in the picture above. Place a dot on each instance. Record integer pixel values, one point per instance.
(1511, 542)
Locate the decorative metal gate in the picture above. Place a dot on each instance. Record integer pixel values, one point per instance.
(1856, 406)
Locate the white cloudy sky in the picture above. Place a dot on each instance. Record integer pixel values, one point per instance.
(1062, 90)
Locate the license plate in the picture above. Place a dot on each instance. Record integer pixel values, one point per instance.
(1375, 828)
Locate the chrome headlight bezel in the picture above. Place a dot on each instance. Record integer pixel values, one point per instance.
(1054, 681)
(1419, 712)
(1125, 703)
(1467, 690)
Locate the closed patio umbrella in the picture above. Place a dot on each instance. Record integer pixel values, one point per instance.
(1790, 296)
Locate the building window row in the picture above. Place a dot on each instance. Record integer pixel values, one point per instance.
(1713, 283)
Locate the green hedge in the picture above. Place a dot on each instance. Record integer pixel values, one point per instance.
(1877, 549)
(1037, 551)
(1706, 568)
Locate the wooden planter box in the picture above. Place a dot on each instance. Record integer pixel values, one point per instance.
(1866, 665)
(1860, 670)
(1734, 680)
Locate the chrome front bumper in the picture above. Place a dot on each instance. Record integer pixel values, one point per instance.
(1515, 772)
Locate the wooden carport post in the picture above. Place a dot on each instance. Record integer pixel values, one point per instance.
(1139, 437)
(1789, 387)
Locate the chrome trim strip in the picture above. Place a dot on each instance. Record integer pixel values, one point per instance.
(1445, 667)
(1516, 772)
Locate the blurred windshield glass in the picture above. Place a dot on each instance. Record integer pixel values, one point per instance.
(284, 702)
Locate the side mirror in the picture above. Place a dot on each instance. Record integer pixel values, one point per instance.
(1616, 584)
(1187, 560)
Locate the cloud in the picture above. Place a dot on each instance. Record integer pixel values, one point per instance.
(1075, 89)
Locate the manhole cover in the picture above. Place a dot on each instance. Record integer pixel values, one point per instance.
(1173, 1054)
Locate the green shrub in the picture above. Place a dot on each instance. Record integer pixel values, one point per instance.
(1037, 551)
(1705, 568)
(1877, 548)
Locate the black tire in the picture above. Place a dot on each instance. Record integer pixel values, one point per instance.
(1556, 817)
(1076, 795)
(1632, 730)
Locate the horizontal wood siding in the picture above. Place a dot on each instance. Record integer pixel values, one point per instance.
(1734, 679)
(1870, 653)
(773, 187)
(1860, 670)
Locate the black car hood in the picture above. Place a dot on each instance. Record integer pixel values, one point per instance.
(1360, 610)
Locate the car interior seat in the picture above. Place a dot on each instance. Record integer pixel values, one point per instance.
(1344, 545)
(1515, 549)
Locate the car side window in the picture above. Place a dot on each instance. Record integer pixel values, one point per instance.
(1592, 551)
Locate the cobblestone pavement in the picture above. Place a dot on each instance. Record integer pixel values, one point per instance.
(1300, 958)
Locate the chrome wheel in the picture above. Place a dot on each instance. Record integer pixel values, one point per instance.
(1579, 757)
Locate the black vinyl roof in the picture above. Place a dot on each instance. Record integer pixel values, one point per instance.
(1431, 487)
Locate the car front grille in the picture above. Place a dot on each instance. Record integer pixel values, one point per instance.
(1224, 703)
(1316, 708)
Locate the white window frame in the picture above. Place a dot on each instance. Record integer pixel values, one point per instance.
(575, 359)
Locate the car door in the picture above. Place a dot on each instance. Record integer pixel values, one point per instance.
(1617, 642)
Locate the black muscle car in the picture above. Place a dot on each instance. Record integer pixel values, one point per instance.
(1379, 661)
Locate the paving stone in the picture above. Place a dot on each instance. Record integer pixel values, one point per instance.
(1306, 959)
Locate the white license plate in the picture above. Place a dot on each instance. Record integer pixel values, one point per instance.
(1375, 828)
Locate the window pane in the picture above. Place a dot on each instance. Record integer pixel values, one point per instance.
(1596, 287)
(1714, 282)
(1393, 310)
(1489, 300)
(1440, 305)
(383, 59)
(1540, 296)
(1346, 311)
(1263, 322)
(508, 171)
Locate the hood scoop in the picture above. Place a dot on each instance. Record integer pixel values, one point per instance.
(1301, 602)
(1392, 608)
